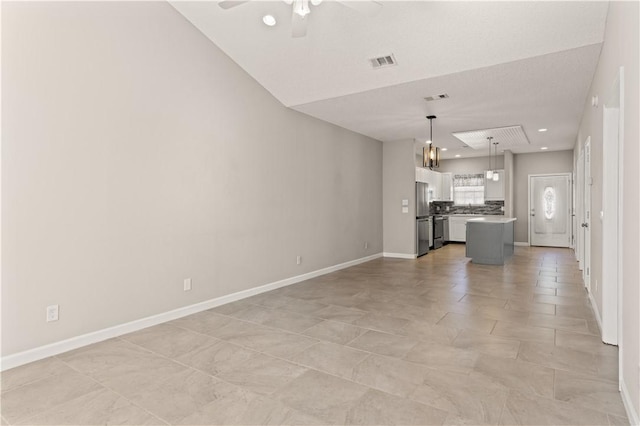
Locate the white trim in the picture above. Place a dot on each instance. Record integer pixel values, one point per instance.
(632, 415)
(400, 255)
(596, 312)
(35, 354)
(521, 243)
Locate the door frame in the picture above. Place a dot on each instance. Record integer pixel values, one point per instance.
(569, 198)
(612, 186)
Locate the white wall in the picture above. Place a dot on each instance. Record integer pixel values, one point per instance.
(399, 176)
(136, 153)
(620, 48)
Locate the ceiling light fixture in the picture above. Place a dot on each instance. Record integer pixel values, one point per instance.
(544, 148)
(490, 170)
(430, 153)
(542, 130)
(458, 155)
(301, 7)
(496, 175)
(269, 20)
(443, 149)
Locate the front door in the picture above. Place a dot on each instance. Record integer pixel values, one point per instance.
(550, 210)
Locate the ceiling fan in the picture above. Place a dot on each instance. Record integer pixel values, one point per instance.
(301, 9)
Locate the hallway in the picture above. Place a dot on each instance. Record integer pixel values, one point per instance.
(433, 341)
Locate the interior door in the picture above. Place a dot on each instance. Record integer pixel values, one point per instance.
(550, 210)
(580, 211)
(586, 224)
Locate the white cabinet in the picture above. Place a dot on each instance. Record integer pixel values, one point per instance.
(494, 190)
(434, 179)
(446, 187)
(458, 229)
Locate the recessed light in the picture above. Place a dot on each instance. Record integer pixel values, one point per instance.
(457, 155)
(542, 130)
(269, 20)
(443, 149)
(544, 148)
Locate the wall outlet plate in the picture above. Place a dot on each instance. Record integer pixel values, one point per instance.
(52, 313)
(187, 284)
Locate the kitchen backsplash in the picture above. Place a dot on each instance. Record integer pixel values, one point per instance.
(489, 207)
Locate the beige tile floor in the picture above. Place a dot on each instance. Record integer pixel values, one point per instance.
(433, 341)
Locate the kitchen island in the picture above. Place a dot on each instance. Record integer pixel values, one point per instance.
(490, 240)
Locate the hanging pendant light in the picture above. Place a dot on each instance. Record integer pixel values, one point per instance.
(496, 175)
(490, 170)
(431, 153)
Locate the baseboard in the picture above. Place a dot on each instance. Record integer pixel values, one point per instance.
(632, 415)
(41, 352)
(400, 255)
(596, 312)
(521, 243)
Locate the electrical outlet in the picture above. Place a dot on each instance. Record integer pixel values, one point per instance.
(298, 260)
(187, 284)
(52, 313)
(366, 245)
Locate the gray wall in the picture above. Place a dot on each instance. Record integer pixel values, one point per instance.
(620, 48)
(531, 164)
(136, 154)
(470, 165)
(399, 179)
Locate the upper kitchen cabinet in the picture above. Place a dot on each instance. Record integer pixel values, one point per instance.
(434, 179)
(446, 187)
(494, 190)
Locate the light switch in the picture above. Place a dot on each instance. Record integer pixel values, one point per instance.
(405, 202)
(405, 210)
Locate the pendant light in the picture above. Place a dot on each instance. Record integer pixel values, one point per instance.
(430, 153)
(490, 170)
(496, 176)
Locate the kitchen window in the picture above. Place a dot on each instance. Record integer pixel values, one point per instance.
(468, 189)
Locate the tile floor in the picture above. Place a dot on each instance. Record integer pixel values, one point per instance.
(433, 341)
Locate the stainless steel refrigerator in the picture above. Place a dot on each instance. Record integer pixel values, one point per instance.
(423, 220)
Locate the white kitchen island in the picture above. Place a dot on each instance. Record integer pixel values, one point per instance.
(490, 240)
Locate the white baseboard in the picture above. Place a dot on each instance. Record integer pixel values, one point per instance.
(596, 312)
(400, 255)
(632, 414)
(41, 352)
(521, 243)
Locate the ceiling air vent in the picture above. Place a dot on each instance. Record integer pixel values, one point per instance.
(436, 97)
(383, 61)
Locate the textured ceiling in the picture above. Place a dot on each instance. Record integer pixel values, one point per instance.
(501, 63)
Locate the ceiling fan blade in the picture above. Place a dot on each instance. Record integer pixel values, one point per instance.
(368, 7)
(228, 4)
(298, 25)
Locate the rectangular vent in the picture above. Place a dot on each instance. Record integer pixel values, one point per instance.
(383, 61)
(436, 97)
(507, 137)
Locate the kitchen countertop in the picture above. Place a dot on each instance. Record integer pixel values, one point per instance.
(492, 220)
